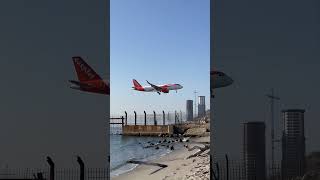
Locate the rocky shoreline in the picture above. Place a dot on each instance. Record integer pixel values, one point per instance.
(192, 161)
(179, 164)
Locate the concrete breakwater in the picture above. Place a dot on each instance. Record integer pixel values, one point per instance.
(159, 130)
(147, 130)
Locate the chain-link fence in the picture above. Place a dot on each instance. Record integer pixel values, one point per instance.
(59, 174)
(239, 170)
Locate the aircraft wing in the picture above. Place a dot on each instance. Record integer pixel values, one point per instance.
(81, 84)
(159, 89)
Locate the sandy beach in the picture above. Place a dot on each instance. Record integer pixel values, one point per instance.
(179, 167)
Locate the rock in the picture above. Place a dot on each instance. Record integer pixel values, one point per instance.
(206, 134)
(195, 132)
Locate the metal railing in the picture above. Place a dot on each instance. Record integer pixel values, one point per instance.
(51, 173)
(60, 174)
(225, 169)
(154, 118)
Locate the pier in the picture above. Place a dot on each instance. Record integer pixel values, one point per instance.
(147, 124)
(147, 130)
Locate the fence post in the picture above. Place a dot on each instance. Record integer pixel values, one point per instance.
(51, 164)
(145, 118)
(211, 167)
(126, 115)
(122, 121)
(135, 117)
(227, 161)
(164, 118)
(154, 118)
(175, 117)
(216, 174)
(81, 167)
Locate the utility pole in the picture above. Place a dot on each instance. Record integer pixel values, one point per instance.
(272, 97)
(195, 102)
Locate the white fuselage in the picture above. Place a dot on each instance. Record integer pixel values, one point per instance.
(169, 87)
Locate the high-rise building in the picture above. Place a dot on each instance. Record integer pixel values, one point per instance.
(189, 110)
(201, 106)
(293, 143)
(254, 150)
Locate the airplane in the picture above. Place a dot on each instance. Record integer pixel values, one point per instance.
(89, 80)
(156, 88)
(218, 80)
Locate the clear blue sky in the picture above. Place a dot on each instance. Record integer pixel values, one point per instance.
(163, 42)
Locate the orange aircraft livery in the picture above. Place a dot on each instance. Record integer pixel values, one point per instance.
(89, 80)
(165, 88)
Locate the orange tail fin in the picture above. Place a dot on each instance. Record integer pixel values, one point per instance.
(84, 71)
(136, 84)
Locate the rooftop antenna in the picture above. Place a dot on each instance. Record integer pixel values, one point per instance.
(195, 102)
(272, 97)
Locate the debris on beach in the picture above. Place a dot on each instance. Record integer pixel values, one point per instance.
(202, 149)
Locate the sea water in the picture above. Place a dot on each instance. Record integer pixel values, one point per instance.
(124, 148)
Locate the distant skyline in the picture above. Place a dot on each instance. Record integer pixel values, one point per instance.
(162, 42)
(264, 45)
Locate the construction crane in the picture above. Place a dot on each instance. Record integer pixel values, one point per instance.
(272, 97)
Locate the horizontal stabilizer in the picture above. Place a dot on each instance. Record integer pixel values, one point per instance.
(82, 84)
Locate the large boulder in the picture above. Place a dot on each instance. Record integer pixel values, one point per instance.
(195, 132)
